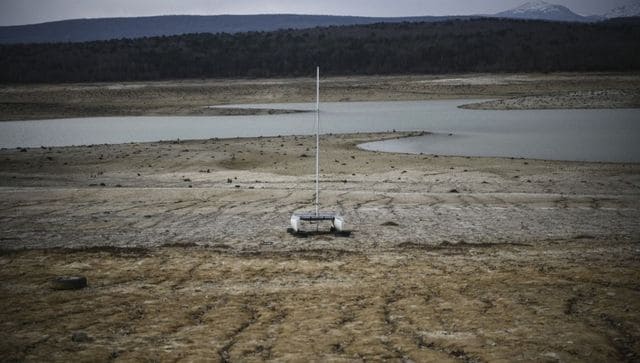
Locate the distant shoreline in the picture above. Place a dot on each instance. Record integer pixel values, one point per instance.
(191, 97)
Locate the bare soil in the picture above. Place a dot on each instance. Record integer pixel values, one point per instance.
(600, 99)
(191, 97)
(185, 248)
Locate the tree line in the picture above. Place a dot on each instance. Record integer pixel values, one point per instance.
(457, 46)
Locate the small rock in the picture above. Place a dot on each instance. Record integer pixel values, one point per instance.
(80, 337)
(453, 191)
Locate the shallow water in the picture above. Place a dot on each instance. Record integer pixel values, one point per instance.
(593, 135)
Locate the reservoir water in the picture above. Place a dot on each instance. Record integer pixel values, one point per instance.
(589, 135)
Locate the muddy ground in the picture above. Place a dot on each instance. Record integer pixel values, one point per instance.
(562, 300)
(191, 97)
(185, 248)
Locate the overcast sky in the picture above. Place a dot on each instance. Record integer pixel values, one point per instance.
(15, 12)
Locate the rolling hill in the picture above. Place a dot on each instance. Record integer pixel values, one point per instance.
(83, 30)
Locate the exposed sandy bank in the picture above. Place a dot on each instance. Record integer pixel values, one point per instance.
(601, 99)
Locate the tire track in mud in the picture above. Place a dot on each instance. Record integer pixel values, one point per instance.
(624, 342)
(390, 324)
(179, 283)
(224, 352)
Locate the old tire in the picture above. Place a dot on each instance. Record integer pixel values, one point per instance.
(69, 283)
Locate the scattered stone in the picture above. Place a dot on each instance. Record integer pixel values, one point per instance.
(390, 223)
(80, 337)
(454, 191)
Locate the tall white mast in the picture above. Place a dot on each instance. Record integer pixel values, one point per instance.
(317, 139)
(337, 221)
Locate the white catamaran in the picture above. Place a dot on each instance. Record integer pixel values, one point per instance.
(337, 222)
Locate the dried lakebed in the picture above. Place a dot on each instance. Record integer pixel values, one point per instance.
(186, 254)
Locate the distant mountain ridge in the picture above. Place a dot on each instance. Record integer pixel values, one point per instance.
(542, 10)
(82, 30)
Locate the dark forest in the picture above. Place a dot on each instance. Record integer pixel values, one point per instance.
(457, 46)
